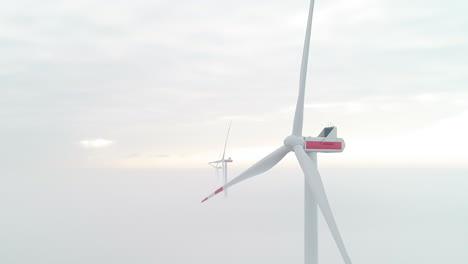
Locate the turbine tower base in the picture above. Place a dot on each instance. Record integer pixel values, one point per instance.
(310, 222)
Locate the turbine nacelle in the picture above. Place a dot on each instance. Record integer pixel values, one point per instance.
(327, 141)
(221, 161)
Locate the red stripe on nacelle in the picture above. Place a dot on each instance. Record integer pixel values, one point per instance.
(323, 145)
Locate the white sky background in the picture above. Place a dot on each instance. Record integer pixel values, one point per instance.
(154, 83)
(93, 93)
(386, 216)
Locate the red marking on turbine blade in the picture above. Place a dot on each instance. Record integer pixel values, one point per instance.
(216, 192)
(219, 190)
(323, 145)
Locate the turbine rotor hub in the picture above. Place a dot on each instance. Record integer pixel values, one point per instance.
(292, 141)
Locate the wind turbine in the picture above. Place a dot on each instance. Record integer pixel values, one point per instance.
(221, 164)
(305, 149)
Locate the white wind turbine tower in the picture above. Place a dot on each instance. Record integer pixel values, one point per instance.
(305, 149)
(221, 164)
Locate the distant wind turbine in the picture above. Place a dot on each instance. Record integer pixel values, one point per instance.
(221, 164)
(305, 150)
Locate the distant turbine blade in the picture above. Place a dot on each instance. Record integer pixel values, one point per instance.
(260, 167)
(314, 181)
(225, 143)
(299, 115)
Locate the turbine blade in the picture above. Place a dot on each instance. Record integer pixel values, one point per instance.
(260, 167)
(227, 136)
(299, 115)
(312, 175)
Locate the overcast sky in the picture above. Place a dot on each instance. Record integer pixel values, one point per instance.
(110, 111)
(138, 84)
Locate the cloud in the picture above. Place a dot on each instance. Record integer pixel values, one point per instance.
(374, 66)
(96, 143)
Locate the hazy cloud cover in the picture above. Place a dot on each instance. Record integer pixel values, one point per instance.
(162, 79)
(96, 143)
(100, 101)
(155, 216)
